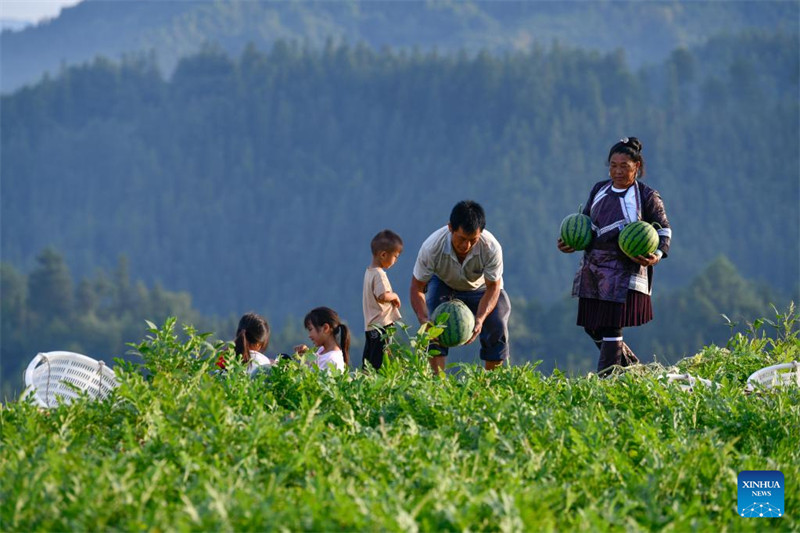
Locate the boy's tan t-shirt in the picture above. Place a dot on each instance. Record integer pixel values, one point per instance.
(376, 313)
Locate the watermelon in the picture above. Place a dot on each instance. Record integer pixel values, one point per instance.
(576, 231)
(459, 324)
(638, 238)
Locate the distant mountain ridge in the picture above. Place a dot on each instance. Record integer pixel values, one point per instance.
(647, 31)
(13, 24)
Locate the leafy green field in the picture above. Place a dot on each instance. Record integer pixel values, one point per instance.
(182, 449)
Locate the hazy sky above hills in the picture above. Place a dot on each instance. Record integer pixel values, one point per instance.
(33, 11)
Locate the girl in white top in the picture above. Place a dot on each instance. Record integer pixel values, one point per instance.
(323, 325)
(252, 337)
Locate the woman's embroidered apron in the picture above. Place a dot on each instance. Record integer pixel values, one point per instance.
(605, 272)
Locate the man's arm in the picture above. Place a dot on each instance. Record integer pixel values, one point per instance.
(486, 306)
(417, 298)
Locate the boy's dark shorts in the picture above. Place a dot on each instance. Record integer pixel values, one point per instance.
(374, 348)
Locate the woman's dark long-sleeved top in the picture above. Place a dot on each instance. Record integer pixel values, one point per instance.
(605, 272)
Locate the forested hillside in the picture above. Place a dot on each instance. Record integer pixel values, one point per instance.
(648, 31)
(258, 181)
(100, 315)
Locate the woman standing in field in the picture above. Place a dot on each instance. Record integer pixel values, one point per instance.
(613, 288)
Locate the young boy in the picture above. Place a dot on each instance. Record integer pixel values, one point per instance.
(381, 305)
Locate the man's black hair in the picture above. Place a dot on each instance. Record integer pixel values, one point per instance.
(468, 216)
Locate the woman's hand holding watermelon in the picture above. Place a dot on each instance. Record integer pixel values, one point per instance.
(564, 247)
(646, 260)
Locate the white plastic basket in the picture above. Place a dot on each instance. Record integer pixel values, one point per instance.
(687, 382)
(48, 375)
(775, 376)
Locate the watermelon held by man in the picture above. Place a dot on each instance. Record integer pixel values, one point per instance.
(459, 323)
(576, 230)
(638, 238)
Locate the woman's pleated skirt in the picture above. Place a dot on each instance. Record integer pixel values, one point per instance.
(595, 314)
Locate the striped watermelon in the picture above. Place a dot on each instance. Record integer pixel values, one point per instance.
(576, 231)
(459, 324)
(638, 238)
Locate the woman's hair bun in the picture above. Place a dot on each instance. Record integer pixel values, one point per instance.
(634, 143)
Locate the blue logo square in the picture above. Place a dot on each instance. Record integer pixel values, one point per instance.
(760, 493)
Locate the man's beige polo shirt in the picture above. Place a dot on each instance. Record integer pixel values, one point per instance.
(437, 257)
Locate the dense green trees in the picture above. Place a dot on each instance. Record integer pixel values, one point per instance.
(44, 310)
(288, 158)
(256, 182)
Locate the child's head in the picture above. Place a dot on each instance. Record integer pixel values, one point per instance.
(251, 335)
(386, 247)
(322, 322)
